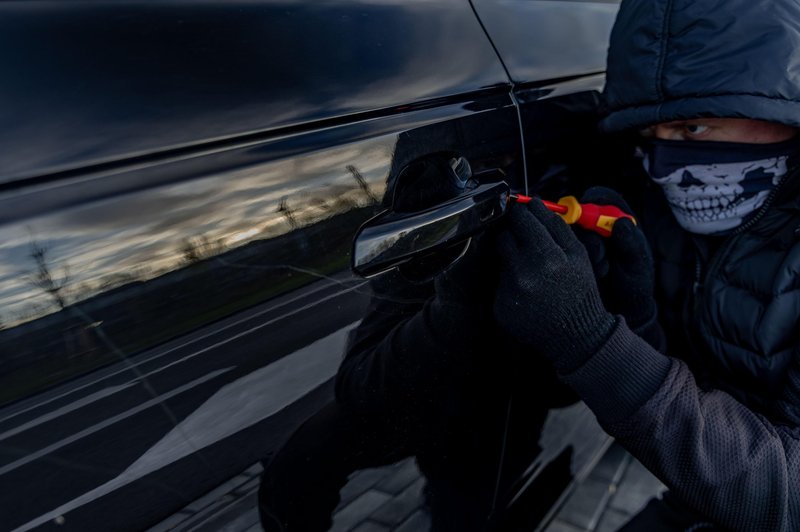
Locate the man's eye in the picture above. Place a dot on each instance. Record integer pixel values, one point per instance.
(695, 129)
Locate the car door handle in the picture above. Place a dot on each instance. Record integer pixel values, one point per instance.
(391, 239)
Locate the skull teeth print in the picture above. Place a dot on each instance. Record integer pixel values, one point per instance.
(716, 197)
(699, 208)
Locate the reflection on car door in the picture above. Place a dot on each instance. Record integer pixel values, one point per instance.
(180, 184)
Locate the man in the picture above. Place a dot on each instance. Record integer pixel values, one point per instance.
(715, 87)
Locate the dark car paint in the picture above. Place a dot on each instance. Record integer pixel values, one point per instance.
(185, 179)
(541, 41)
(94, 82)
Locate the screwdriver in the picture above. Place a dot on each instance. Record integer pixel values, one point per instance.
(597, 218)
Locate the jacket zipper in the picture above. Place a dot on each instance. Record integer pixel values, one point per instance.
(700, 280)
(700, 295)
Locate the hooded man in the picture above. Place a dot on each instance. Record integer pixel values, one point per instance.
(714, 87)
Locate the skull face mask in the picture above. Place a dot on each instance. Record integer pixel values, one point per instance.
(712, 187)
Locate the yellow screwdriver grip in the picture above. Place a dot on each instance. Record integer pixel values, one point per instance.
(574, 209)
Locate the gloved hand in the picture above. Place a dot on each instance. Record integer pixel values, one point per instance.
(547, 295)
(623, 267)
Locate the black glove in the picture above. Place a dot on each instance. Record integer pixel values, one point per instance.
(623, 266)
(547, 296)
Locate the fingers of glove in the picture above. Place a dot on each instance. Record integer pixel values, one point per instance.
(596, 249)
(530, 235)
(559, 231)
(628, 246)
(605, 196)
(632, 268)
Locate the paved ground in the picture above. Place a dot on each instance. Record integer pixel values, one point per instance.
(617, 488)
(389, 499)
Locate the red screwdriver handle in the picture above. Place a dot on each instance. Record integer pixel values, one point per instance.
(601, 218)
(590, 216)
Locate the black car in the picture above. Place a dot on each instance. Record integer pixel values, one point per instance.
(181, 185)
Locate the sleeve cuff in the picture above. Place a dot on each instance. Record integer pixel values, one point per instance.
(620, 377)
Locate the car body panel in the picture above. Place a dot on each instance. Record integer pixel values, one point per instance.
(545, 40)
(96, 82)
(164, 310)
(180, 184)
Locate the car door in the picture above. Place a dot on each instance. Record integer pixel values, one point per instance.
(180, 186)
(554, 52)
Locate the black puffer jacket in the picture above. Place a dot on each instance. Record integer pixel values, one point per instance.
(722, 428)
(732, 304)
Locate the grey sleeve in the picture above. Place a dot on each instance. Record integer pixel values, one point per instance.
(731, 464)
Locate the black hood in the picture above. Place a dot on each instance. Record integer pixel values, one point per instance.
(679, 59)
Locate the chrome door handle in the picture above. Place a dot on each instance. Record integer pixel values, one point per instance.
(391, 239)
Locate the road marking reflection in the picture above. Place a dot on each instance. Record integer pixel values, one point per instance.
(75, 405)
(254, 397)
(193, 340)
(108, 422)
